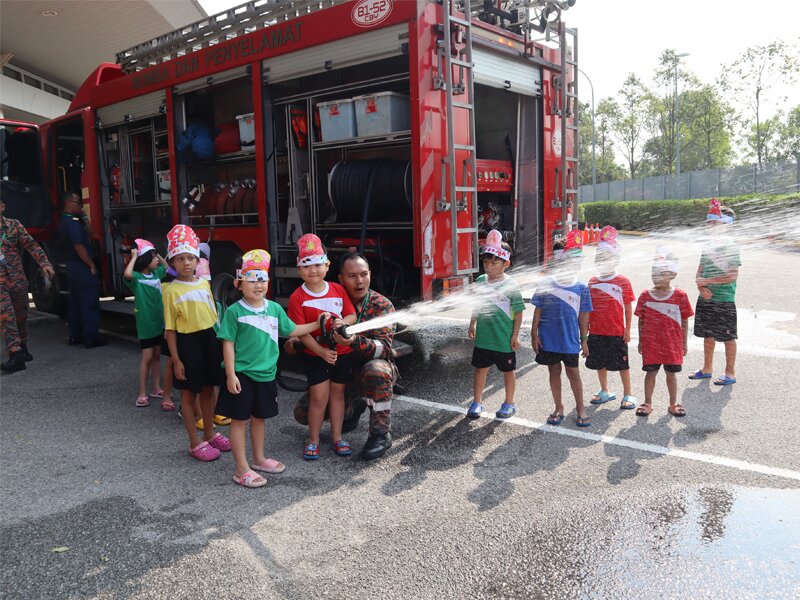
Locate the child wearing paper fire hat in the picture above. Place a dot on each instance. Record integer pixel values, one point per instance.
(249, 332)
(559, 332)
(143, 275)
(716, 318)
(610, 320)
(189, 318)
(327, 369)
(495, 325)
(663, 313)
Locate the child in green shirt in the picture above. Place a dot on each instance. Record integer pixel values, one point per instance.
(495, 325)
(249, 332)
(143, 275)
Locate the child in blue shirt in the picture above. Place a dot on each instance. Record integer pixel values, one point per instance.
(561, 324)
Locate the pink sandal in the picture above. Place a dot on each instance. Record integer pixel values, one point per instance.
(250, 480)
(159, 393)
(142, 401)
(221, 443)
(167, 405)
(270, 465)
(204, 452)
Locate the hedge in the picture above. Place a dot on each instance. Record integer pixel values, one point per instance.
(650, 215)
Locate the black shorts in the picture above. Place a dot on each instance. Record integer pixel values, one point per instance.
(715, 320)
(504, 361)
(165, 348)
(318, 371)
(258, 399)
(553, 358)
(607, 352)
(667, 368)
(201, 356)
(152, 342)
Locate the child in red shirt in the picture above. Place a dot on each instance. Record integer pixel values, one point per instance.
(610, 320)
(663, 313)
(327, 369)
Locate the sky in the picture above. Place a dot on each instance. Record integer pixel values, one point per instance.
(619, 36)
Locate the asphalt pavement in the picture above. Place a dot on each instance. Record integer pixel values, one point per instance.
(101, 499)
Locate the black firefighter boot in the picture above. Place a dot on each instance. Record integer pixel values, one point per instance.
(25, 354)
(377, 445)
(15, 362)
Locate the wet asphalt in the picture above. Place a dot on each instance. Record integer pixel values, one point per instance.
(101, 500)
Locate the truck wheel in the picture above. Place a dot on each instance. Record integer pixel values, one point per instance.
(223, 290)
(46, 293)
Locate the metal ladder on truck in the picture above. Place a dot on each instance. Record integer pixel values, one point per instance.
(229, 24)
(566, 106)
(464, 196)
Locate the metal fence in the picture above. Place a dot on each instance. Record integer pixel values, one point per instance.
(775, 178)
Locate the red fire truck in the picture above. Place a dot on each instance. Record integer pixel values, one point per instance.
(403, 128)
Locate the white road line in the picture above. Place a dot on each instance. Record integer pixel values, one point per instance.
(606, 439)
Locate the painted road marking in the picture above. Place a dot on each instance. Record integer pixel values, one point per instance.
(615, 441)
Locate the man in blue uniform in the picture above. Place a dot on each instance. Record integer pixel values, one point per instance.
(84, 289)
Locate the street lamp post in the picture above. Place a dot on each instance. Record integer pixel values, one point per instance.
(678, 58)
(594, 163)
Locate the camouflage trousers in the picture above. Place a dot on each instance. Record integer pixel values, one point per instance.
(14, 313)
(372, 388)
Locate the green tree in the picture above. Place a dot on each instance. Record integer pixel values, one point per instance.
(607, 167)
(751, 80)
(627, 120)
(789, 136)
(706, 123)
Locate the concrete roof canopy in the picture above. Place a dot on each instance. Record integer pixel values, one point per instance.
(62, 41)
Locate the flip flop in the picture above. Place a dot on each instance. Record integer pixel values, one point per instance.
(628, 402)
(555, 419)
(142, 401)
(725, 380)
(250, 480)
(583, 421)
(602, 397)
(475, 410)
(270, 465)
(677, 411)
(506, 411)
(159, 393)
(167, 405)
(644, 410)
(700, 375)
(222, 421)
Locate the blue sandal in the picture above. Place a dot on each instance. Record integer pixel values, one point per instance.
(475, 410)
(506, 410)
(602, 397)
(342, 448)
(628, 402)
(725, 380)
(700, 375)
(555, 419)
(311, 451)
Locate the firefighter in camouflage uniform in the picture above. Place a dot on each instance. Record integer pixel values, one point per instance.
(14, 289)
(376, 372)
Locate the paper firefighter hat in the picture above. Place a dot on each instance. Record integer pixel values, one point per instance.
(255, 266)
(715, 213)
(608, 240)
(573, 246)
(143, 246)
(203, 269)
(310, 251)
(664, 260)
(182, 239)
(205, 249)
(494, 245)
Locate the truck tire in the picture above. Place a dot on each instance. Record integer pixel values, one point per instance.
(223, 290)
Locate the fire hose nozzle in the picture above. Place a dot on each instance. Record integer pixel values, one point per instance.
(342, 331)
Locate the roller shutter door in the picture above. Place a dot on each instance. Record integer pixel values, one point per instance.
(140, 107)
(358, 49)
(502, 71)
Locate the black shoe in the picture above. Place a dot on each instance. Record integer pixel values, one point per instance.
(98, 343)
(25, 354)
(75, 342)
(15, 362)
(377, 445)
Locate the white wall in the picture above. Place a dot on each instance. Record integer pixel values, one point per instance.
(20, 96)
